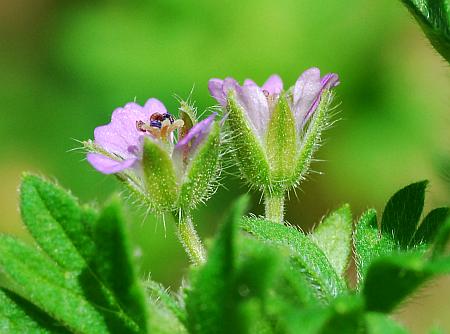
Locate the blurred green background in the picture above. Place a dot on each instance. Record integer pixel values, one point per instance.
(65, 65)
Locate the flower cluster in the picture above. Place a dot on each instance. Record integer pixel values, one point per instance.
(172, 163)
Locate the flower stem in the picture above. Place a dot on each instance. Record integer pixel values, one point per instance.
(190, 240)
(274, 207)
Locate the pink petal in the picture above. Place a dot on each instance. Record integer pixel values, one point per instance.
(274, 85)
(106, 165)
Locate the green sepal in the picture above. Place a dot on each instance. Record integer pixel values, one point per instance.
(201, 171)
(281, 146)
(334, 236)
(187, 115)
(311, 138)
(160, 177)
(247, 148)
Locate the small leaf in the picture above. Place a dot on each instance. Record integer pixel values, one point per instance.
(430, 226)
(309, 259)
(333, 236)
(158, 293)
(17, 315)
(402, 212)
(343, 315)
(403, 272)
(434, 18)
(379, 323)
(54, 291)
(210, 301)
(442, 239)
(159, 176)
(369, 243)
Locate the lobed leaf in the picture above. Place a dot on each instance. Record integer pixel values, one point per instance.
(308, 259)
(405, 272)
(17, 315)
(51, 289)
(402, 213)
(434, 18)
(91, 248)
(430, 226)
(210, 303)
(379, 323)
(369, 243)
(334, 238)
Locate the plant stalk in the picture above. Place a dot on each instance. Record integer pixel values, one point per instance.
(190, 240)
(274, 207)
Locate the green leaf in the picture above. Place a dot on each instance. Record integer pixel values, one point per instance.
(334, 236)
(56, 221)
(17, 315)
(379, 323)
(369, 243)
(210, 301)
(161, 296)
(308, 259)
(404, 274)
(166, 314)
(160, 176)
(442, 239)
(430, 226)
(92, 248)
(114, 266)
(434, 18)
(53, 290)
(402, 212)
(201, 171)
(343, 315)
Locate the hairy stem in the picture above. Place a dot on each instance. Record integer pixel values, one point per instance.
(274, 207)
(190, 240)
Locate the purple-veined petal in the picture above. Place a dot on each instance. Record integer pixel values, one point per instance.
(187, 146)
(307, 92)
(197, 133)
(107, 165)
(154, 105)
(255, 106)
(273, 85)
(215, 87)
(249, 82)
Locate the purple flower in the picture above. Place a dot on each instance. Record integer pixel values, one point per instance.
(259, 102)
(119, 144)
